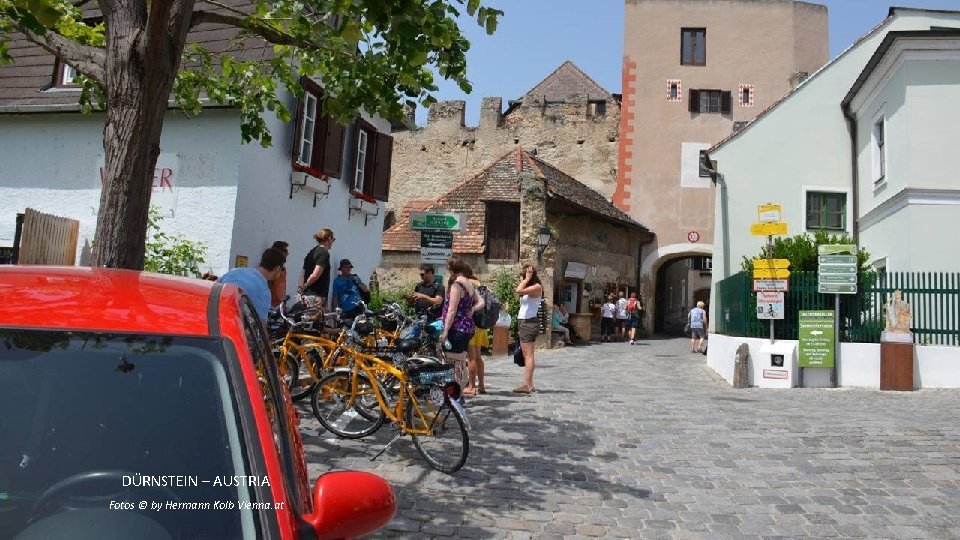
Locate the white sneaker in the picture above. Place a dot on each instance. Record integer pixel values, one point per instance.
(631, 342)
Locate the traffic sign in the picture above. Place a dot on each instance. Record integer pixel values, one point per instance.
(770, 305)
(767, 273)
(837, 269)
(837, 249)
(837, 259)
(768, 229)
(436, 220)
(816, 339)
(838, 278)
(771, 263)
(434, 255)
(771, 285)
(836, 288)
(768, 213)
(436, 239)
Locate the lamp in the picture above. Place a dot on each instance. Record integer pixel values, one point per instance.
(543, 239)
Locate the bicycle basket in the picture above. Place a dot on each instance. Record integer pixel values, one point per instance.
(438, 374)
(389, 325)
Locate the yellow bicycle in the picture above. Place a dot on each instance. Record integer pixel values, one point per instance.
(353, 403)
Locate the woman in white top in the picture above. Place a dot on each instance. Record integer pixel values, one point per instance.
(528, 325)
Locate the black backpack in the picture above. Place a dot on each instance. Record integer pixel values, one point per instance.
(488, 316)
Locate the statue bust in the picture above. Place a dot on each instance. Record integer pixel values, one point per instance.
(898, 316)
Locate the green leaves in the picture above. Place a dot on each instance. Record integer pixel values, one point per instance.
(171, 254)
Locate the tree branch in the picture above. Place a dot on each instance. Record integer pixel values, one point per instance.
(254, 26)
(89, 60)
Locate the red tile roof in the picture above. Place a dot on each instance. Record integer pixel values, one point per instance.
(500, 181)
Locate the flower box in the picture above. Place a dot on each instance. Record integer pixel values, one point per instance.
(309, 182)
(364, 206)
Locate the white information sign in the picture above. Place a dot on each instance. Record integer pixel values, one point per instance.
(435, 255)
(770, 305)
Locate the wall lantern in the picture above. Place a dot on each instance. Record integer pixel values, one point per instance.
(543, 239)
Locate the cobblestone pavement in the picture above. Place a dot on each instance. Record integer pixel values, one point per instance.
(645, 441)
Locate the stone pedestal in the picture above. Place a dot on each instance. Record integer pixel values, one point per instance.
(582, 324)
(896, 365)
(501, 340)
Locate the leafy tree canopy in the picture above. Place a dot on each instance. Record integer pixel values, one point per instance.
(801, 251)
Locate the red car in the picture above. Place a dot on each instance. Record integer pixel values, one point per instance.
(136, 405)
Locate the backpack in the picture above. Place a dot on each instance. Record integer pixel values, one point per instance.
(488, 316)
(632, 305)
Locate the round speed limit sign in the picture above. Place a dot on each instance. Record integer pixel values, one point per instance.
(693, 237)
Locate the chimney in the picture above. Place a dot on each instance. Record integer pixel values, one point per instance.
(443, 112)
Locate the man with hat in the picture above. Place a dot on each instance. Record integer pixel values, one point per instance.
(347, 289)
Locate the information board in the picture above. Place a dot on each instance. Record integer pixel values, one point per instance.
(816, 339)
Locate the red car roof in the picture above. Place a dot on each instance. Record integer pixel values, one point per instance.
(82, 298)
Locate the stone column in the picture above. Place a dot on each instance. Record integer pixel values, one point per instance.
(533, 215)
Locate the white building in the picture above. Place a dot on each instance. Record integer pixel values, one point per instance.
(235, 198)
(863, 147)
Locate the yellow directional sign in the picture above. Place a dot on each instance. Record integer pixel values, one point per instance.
(770, 273)
(770, 263)
(767, 229)
(768, 213)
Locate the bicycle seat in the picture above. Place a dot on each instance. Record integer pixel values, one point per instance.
(407, 345)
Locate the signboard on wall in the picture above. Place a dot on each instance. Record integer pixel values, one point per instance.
(575, 270)
(166, 179)
(770, 305)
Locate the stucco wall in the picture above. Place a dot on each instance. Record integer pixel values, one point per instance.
(858, 366)
(49, 162)
(430, 160)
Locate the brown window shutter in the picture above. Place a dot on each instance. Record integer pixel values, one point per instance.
(383, 153)
(333, 148)
(503, 231)
(319, 139)
(726, 102)
(694, 101)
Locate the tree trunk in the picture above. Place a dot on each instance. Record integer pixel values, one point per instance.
(142, 58)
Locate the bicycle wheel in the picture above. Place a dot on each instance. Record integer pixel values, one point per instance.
(336, 404)
(447, 448)
(294, 374)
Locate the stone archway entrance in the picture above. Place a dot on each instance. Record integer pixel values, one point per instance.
(681, 282)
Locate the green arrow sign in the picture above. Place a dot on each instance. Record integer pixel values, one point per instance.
(836, 288)
(833, 249)
(838, 259)
(837, 278)
(446, 222)
(844, 269)
(816, 339)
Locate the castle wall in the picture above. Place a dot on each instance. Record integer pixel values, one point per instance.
(571, 135)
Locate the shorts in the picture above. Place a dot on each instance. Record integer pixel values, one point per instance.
(606, 326)
(458, 341)
(633, 321)
(697, 333)
(528, 329)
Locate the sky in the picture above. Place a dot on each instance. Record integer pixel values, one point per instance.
(535, 36)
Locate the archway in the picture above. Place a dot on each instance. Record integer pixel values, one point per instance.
(680, 283)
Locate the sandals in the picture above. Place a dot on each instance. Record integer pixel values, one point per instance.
(470, 391)
(524, 389)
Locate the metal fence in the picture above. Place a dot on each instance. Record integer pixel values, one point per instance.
(934, 298)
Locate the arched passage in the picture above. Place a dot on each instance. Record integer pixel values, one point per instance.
(680, 283)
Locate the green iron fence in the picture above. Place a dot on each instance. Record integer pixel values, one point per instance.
(934, 299)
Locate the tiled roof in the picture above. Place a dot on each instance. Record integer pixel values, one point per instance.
(567, 80)
(25, 83)
(500, 181)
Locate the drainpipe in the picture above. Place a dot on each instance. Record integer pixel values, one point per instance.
(854, 174)
(724, 220)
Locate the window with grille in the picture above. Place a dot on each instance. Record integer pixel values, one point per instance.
(826, 211)
(693, 46)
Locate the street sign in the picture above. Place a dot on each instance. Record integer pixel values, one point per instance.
(436, 239)
(434, 255)
(770, 305)
(776, 273)
(768, 213)
(771, 285)
(436, 220)
(771, 263)
(767, 229)
(816, 339)
(837, 269)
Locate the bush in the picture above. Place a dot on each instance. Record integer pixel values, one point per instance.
(380, 297)
(505, 281)
(171, 254)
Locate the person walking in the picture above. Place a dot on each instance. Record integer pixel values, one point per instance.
(634, 307)
(607, 312)
(347, 289)
(530, 290)
(254, 281)
(479, 340)
(621, 322)
(315, 277)
(427, 293)
(278, 285)
(697, 318)
(457, 316)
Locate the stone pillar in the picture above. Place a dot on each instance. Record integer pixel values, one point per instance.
(533, 215)
(447, 112)
(491, 112)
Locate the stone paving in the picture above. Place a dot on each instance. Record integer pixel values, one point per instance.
(645, 441)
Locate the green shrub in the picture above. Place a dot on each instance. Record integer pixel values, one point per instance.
(171, 254)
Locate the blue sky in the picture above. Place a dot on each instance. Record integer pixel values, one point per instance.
(536, 36)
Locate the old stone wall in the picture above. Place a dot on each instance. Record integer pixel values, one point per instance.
(577, 136)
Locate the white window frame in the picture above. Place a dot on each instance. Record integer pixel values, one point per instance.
(360, 175)
(306, 135)
(67, 75)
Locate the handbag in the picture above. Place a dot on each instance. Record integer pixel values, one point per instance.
(518, 356)
(686, 328)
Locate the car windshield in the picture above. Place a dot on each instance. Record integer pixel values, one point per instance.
(94, 425)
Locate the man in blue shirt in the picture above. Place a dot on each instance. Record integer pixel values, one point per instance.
(253, 281)
(346, 290)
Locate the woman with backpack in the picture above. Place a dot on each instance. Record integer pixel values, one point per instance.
(633, 315)
(457, 316)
